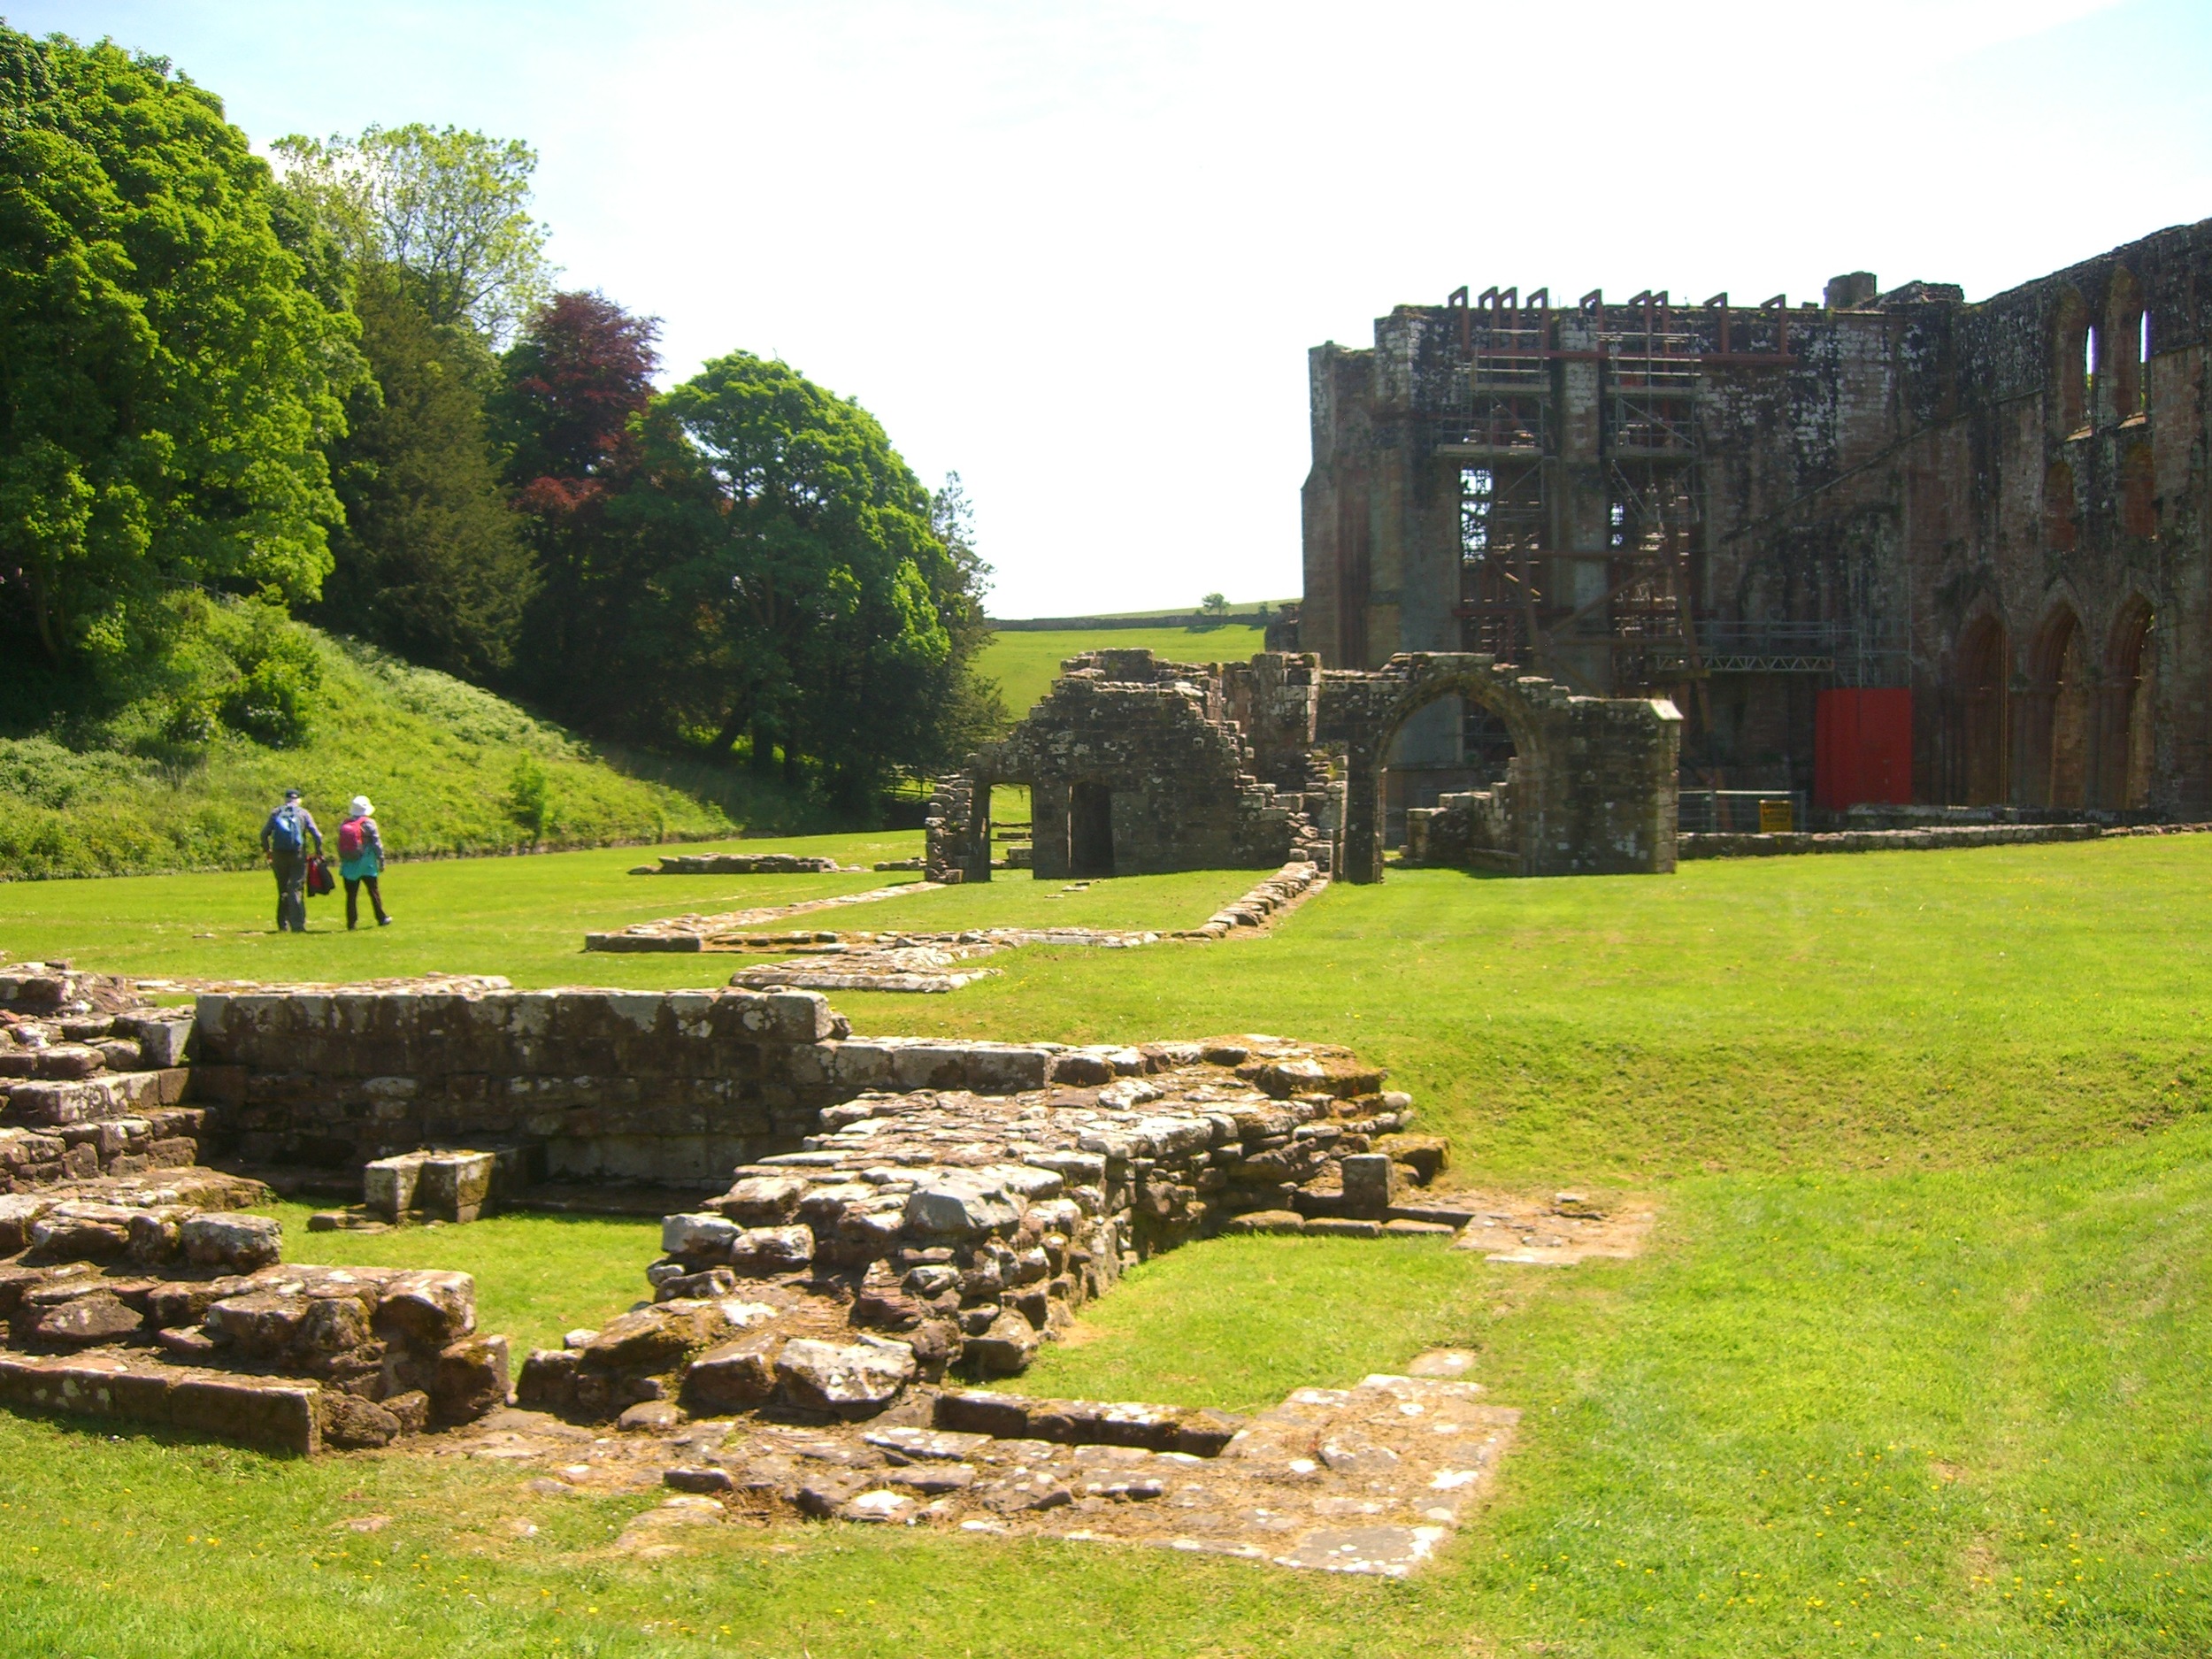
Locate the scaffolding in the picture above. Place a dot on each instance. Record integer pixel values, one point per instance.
(1576, 435)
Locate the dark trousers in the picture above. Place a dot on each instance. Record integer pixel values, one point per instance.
(354, 884)
(291, 879)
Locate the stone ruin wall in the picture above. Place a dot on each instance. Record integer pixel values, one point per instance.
(939, 1178)
(1240, 764)
(1948, 495)
(132, 1288)
(1189, 787)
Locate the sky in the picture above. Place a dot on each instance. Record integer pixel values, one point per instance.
(1078, 252)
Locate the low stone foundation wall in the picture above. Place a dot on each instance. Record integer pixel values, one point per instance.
(1931, 840)
(741, 864)
(673, 1087)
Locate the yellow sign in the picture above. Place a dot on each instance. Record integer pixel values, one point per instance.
(1776, 817)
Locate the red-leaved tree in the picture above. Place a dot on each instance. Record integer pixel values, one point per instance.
(577, 381)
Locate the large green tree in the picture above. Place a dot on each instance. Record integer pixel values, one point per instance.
(449, 205)
(168, 381)
(810, 614)
(431, 561)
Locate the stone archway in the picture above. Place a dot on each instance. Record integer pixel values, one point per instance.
(1596, 788)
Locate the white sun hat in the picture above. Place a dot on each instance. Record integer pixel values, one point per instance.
(361, 807)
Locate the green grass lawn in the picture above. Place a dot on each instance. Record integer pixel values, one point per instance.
(1025, 665)
(1914, 1362)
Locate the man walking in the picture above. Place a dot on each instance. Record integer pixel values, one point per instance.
(284, 837)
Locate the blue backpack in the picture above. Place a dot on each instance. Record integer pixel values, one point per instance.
(284, 830)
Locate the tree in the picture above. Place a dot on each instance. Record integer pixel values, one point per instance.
(169, 380)
(449, 205)
(576, 383)
(1214, 605)
(432, 562)
(822, 628)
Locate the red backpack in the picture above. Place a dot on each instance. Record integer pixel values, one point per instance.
(350, 838)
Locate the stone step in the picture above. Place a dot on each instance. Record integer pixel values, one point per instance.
(276, 1414)
(1194, 1432)
(53, 1105)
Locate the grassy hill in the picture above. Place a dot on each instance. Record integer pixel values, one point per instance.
(451, 767)
(1025, 665)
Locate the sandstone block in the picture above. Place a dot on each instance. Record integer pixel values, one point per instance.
(427, 1309)
(81, 1232)
(81, 1321)
(950, 1210)
(282, 1417)
(856, 1381)
(1370, 1183)
(471, 1379)
(454, 1185)
(707, 1237)
(1001, 1416)
(351, 1423)
(762, 1200)
(733, 1376)
(1006, 1347)
(654, 1339)
(387, 1185)
(762, 1250)
(548, 1380)
(237, 1243)
(18, 1211)
(259, 1324)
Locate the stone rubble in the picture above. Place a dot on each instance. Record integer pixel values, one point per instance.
(167, 1315)
(932, 963)
(744, 864)
(938, 1228)
(1368, 1480)
(713, 932)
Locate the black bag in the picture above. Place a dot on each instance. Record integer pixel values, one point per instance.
(320, 881)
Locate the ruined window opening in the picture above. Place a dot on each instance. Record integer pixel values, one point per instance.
(2143, 362)
(1478, 489)
(1090, 830)
(2089, 373)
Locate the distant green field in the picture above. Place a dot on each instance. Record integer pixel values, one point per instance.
(1025, 665)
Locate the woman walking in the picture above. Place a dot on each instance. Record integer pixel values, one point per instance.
(361, 860)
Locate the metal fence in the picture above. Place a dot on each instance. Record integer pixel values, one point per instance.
(1740, 811)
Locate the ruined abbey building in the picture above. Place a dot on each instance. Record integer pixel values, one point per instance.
(1891, 546)
(1137, 766)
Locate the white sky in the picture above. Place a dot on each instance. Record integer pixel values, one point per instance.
(1079, 251)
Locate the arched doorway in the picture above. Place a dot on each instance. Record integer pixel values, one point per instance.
(2061, 675)
(1981, 681)
(1593, 778)
(1464, 812)
(2131, 670)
